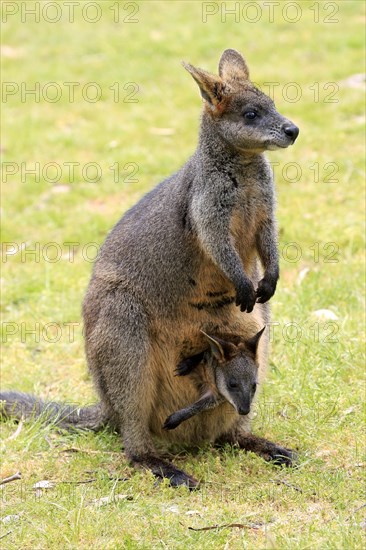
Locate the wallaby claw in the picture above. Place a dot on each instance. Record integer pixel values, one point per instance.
(280, 456)
(181, 478)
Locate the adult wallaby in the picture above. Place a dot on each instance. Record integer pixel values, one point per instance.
(226, 371)
(181, 261)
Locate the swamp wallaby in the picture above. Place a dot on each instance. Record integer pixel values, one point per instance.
(227, 371)
(180, 261)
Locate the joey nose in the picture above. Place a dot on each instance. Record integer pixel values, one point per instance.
(291, 131)
(244, 410)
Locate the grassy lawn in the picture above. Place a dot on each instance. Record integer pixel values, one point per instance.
(72, 166)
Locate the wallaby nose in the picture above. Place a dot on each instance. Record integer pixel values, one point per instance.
(244, 410)
(291, 131)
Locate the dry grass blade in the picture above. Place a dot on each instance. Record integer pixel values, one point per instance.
(86, 451)
(226, 525)
(17, 431)
(14, 477)
(284, 482)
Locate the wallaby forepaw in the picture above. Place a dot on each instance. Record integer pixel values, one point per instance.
(266, 289)
(171, 422)
(187, 365)
(245, 296)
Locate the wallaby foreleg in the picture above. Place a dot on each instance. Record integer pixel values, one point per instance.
(266, 241)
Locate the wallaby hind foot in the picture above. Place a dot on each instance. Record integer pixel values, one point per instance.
(263, 447)
(164, 469)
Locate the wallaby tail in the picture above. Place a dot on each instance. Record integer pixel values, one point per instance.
(22, 405)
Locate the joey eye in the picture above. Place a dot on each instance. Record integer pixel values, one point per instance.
(254, 387)
(250, 115)
(233, 385)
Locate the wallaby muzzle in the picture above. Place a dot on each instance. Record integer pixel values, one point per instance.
(242, 404)
(243, 409)
(291, 131)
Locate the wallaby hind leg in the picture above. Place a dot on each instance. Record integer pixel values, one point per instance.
(122, 367)
(262, 447)
(136, 436)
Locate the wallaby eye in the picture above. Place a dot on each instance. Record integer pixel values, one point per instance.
(233, 385)
(250, 115)
(254, 387)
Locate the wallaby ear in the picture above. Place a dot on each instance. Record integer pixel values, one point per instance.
(232, 67)
(222, 350)
(252, 343)
(211, 86)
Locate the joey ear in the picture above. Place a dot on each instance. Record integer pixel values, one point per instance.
(212, 87)
(232, 67)
(252, 343)
(216, 347)
(222, 350)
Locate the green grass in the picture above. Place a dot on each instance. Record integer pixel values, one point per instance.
(314, 395)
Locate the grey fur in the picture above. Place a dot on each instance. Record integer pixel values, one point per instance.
(24, 406)
(178, 262)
